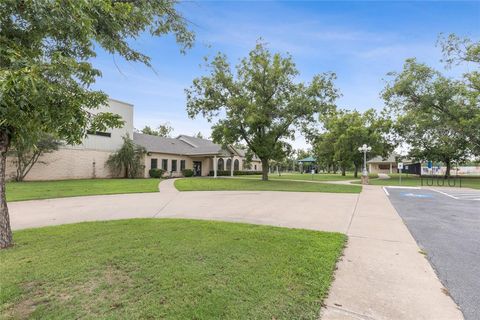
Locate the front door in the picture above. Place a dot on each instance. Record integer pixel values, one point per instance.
(197, 168)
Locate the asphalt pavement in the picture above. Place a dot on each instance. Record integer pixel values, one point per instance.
(447, 227)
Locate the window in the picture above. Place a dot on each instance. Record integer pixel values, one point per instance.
(236, 165)
(220, 165)
(255, 167)
(229, 164)
(182, 165)
(99, 133)
(384, 166)
(174, 165)
(153, 163)
(165, 164)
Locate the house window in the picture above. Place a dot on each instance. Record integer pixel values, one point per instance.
(220, 165)
(229, 164)
(236, 165)
(182, 165)
(153, 163)
(99, 133)
(255, 167)
(165, 164)
(174, 165)
(384, 166)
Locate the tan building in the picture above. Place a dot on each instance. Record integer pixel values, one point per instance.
(382, 165)
(87, 160)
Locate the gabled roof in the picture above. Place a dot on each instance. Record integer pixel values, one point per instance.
(182, 145)
(378, 159)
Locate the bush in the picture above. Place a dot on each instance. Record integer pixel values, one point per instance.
(155, 173)
(187, 173)
(222, 173)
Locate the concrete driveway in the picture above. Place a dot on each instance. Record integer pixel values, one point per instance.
(309, 210)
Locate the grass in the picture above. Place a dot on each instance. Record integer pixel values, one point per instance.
(315, 177)
(248, 184)
(415, 181)
(30, 190)
(169, 269)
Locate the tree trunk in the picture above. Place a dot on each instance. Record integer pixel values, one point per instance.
(343, 171)
(5, 231)
(355, 174)
(265, 169)
(448, 163)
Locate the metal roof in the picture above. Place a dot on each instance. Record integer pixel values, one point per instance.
(307, 159)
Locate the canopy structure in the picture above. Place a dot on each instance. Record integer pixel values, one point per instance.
(307, 159)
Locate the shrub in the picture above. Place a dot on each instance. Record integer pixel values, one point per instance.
(187, 173)
(221, 173)
(155, 173)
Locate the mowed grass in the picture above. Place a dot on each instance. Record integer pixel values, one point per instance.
(168, 269)
(415, 181)
(248, 184)
(30, 190)
(314, 177)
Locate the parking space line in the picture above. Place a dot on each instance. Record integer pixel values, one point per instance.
(444, 193)
(386, 191)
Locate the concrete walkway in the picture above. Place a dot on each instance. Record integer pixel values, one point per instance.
(381, 276)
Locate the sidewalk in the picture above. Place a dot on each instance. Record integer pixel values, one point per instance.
(382, 274)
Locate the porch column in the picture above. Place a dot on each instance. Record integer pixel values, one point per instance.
(390, 167)
(214, 166)
(231, 166)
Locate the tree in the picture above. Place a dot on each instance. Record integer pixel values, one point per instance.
(348, 130)
(466, 115)
(428, 108)
(27, 152)
(45, 69)
(128, 160)
(199, 135)
(260, 103)
(163, 130)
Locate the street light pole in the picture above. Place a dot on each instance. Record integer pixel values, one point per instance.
(364, 148)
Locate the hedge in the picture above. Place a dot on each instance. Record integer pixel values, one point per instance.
(221, 173)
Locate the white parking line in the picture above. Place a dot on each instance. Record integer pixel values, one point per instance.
(446, 194)
(386, 191)
(460, 195)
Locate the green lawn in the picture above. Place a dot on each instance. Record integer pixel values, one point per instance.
(169, 269)
(414, 181)
(228, 184)
(30, 190)
(315, 177)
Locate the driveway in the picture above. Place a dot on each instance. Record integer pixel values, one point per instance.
(446, 225)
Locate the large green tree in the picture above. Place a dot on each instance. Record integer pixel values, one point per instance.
(345, 131)
(163, 130)
(128, 160)
(259, 103)
(45, 69)
(430, 109)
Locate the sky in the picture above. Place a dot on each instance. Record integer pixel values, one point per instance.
(360, 41)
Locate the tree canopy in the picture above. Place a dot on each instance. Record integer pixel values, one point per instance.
(45, 69)
(163, 130)
(345, 131)
(260, 103)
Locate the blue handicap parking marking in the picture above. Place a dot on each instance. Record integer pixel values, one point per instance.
(416, 195)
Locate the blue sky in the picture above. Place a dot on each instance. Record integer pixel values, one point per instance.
(359, 41)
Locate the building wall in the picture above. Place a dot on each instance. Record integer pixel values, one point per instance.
(382, 168)
(85, 160)
(67, 164)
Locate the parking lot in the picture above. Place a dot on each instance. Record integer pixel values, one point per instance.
(446, 224)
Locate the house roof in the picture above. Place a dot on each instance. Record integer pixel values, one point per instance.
(378, 159)
(183, 145)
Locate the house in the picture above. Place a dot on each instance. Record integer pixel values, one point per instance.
(87, 160)
(201, 155)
